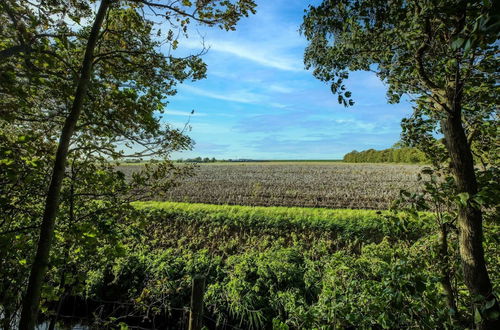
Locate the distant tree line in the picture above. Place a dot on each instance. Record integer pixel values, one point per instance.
(198, 160)
(391, 155)
(213, 160)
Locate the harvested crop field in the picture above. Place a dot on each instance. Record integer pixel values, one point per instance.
(311, 184)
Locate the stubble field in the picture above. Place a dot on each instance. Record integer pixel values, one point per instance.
(299, 184)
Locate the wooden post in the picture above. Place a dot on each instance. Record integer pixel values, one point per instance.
(196, 311)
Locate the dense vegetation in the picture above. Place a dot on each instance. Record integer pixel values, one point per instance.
(281, 267)
(198, 160)
(391, 155)
(444, 56)
(313, 184)
(83, 85)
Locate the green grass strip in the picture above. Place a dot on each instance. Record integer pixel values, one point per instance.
(349, 222)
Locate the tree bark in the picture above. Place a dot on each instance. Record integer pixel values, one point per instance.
(67, 246)
(445, 273)
(31, 299)
(469, 217)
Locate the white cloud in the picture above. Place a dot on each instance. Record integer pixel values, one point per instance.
(277, 105)
(242, 96)
(281, 89)
(258, 53)
(354, 124)
(184, 113)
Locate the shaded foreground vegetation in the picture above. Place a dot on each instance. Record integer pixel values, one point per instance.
(270, 267)
(332, 185)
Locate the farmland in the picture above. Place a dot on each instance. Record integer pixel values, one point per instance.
(310, 184)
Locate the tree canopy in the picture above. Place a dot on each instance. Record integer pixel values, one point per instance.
(85, 82)
(442, 55)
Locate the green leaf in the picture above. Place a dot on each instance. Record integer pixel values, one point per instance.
(468, 45)
(477, 316)
(489, 304)
(457, 43)
(492, 314)
(463, 198)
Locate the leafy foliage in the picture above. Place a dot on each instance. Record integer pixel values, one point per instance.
(443, 55)
(42, 76)
(265, 266)
(391, 155)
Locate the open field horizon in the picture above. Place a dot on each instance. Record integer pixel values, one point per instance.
(270, 162)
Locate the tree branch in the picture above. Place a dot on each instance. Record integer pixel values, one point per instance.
(420, 55)
(176, 10)
(14, 50)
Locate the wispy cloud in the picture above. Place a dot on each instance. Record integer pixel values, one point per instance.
(170, 112)
(317, 147)
(278, 105)
(242, 96)
(259, 102)
(281, 89)
(210, 148)
(274, 122)
(256, 53)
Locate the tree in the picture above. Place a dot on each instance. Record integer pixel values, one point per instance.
(443, 54)
(22, 181)
(40, 263)
(117, 54)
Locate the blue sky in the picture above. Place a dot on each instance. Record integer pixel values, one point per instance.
(259, 102)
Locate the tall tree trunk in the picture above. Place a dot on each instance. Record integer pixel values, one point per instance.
(67, 246)
(6, 318)
(31, 299)
(469, 217)
(445, 273)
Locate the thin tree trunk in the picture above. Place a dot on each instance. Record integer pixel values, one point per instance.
(7, 315)
(55, 317)
(67, 246)
(470, 217)
(445, 273)
(39, 268)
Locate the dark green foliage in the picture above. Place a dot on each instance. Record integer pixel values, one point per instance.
(198, 160)
(100, 92)
(391, 155)
(23, 170)
(357, 225)
(310, 270)
(444, 56)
